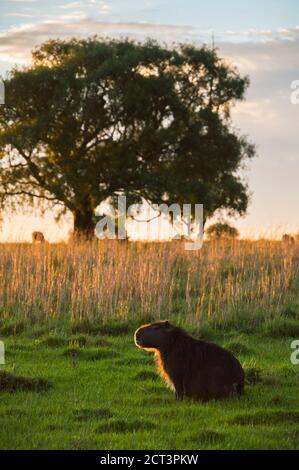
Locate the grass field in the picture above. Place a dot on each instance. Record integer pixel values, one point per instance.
(106, 395)
(68, 315)
(224, 283)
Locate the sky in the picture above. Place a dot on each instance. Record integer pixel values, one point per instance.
(260, 37)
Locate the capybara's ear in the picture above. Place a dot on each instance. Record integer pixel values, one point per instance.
(167, 325)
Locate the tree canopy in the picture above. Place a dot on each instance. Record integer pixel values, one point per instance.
(221, 230)
(91, 119)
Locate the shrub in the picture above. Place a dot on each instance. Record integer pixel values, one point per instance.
(221, 231)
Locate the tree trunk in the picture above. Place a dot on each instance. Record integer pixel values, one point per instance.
(84, 226)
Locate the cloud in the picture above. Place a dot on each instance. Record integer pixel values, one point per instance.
(20, 15)
(68, 6)
(17, 42)
(102, 6)
(97, 5)
(256, 48)
(73, 16)
(271, 64)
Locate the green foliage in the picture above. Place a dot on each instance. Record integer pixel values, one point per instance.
(221, 230)
(281, 328)
(91, 119)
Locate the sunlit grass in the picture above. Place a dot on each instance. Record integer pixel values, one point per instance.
(226, 282)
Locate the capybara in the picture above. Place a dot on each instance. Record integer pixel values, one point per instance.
(38, 237)
(288, 239)
(194, 369)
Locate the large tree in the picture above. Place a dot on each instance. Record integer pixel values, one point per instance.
(91, 119)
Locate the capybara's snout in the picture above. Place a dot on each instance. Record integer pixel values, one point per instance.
(143, 337)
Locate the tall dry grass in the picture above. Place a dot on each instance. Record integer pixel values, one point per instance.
(110, 281)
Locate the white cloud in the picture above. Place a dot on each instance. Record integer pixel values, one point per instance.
(68, 6)
(20, 15)
(73, 16)
(17, 42)
(104, 6)
(252, 110)
(97, 6)
(249, 56)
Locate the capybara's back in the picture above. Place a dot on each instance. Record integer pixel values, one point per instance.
(214, 373)
(195, 369)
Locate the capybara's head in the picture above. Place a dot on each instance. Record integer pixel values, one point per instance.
(153, 335)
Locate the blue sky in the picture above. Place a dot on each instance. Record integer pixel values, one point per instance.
(260, 37)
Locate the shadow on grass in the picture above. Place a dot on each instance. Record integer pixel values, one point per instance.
(85, 355)
(122, 426)
(146, 375)
(159, 401)
(143, 361)
(266, 418)
(207, 437)
(13, 383)
(89, 414)
(51, 341)
(110, 329)
(12, 329)
(238, 348)
(281, 328)
(253, 376)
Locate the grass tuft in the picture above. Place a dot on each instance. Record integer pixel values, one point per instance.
(51, 340)
(88, 414)
(122, 426)
(13, 383)
(208, 437)
(13, 328)
(238, 349)
(281, 328)
(146, 375)
(266, 418)
(252, 376)
(75, 352)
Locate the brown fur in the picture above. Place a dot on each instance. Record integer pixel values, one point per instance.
(288, 239)
(195, 369)
(38, 237)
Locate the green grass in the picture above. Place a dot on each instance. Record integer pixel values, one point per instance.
(104, 393)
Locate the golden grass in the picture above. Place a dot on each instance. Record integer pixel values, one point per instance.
(110, 280)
